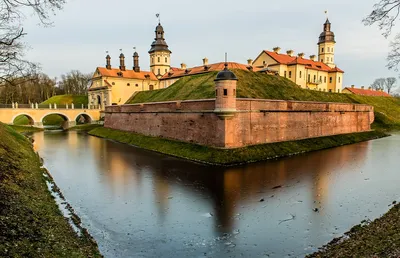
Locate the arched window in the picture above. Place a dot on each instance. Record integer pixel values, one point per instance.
(300, 75)
(166, 60)
(322, 50)
(158, 59)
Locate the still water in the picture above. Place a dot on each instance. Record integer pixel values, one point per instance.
(136, 203)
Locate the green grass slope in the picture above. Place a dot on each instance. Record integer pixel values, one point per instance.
(31, 225)
(263, 86)
(67, 99)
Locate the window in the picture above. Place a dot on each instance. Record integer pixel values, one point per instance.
(263, 62)
(300, 74)
(328, 49)
(234, 92)
(225, 92)
(331, 59)
(165, 70)
(128, 84)
(158, 70)
(330, 79)
(332, 49)
(290, 74)
(330, 90)
(113, 83)
(309, 78)
(137, 85)
(320, 78)
(322, 60)
(166, 60)
(315, 77)
(216, 92)
(158, 59)
(325, 79)
(339, 79)
(152, 60)
(151, 87)
(322, 50)
(284, 74)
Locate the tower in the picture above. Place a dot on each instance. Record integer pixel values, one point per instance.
(326, 46)
(159, 54)
(136, 66)
(225, 93)
(108, 61)
(122, 62)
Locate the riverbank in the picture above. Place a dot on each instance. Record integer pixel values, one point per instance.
(31, 224)
(229, 157)
(380, 238)
(25, 129)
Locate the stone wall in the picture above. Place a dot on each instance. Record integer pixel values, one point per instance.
(256, 121)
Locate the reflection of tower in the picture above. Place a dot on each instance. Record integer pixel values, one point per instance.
(161, 192)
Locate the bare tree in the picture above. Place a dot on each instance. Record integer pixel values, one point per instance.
(75, 83)
(12, 62)
(379, 84)
(390, 84)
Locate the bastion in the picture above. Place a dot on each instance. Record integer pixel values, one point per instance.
(229, 122)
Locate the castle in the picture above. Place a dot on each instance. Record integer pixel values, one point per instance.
(114, 86)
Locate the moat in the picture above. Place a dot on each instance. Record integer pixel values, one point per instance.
(137, 203)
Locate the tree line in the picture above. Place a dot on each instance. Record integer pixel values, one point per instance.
(37, 88)
(386, 84)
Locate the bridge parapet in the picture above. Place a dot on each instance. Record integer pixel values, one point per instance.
(16, 105)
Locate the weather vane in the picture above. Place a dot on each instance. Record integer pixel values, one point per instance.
(107, 52)
(158, 16)
(326, 12)
(120, 50)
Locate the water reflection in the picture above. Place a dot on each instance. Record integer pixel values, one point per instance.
(186, 208)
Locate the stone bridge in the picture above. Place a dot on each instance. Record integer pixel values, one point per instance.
(36, 114)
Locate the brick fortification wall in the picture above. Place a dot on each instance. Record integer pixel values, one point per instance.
(255, 121)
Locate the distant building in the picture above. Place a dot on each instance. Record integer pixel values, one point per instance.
(365, 92)
(318, 74)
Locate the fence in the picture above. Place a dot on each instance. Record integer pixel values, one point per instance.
(49, 106)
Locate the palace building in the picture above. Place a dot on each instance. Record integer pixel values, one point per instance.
(317, 73)
(114, 86)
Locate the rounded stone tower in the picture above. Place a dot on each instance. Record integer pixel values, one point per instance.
(225, 93)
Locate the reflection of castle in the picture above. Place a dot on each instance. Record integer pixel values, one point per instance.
(225, 188)
(116, 85)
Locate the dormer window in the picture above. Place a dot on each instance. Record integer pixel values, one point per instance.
(120, 74)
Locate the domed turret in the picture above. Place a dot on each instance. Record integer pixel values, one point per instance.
(326, 45)
(225, 93)
(122, 62)
(226, 74)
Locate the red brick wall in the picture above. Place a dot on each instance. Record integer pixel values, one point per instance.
(256, 122)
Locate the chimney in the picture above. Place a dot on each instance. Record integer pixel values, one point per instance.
(205, 61)
(312, 57)
(362, 87)
(249, 62)
(277, 49)
(352, 86)
(108, 62)
(290, 52)
(136, 66)
(301, 55)
(122, 62)
(183, 66)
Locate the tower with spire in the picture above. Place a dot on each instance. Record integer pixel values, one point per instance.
(160, 54)
(326, 45)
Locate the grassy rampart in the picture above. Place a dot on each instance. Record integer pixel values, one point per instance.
(263, 86)
(67, 99)
(31, 225)
(231, 156)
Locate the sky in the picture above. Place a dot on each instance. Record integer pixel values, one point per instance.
(85, 29)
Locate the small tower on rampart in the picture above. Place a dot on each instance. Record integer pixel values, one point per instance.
(225, 93)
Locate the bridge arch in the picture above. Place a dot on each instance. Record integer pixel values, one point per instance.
(87, 119)
(30, 119)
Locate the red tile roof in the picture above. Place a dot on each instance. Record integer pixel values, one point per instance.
(365, 92)
(293, 60)
(128, 74)
(175, 73)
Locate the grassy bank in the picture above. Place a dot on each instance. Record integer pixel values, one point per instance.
(234, 156)
(67, 99)
(31, 225)
(380, 238)
(263, 86)
(84, 127)
(25, 129)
